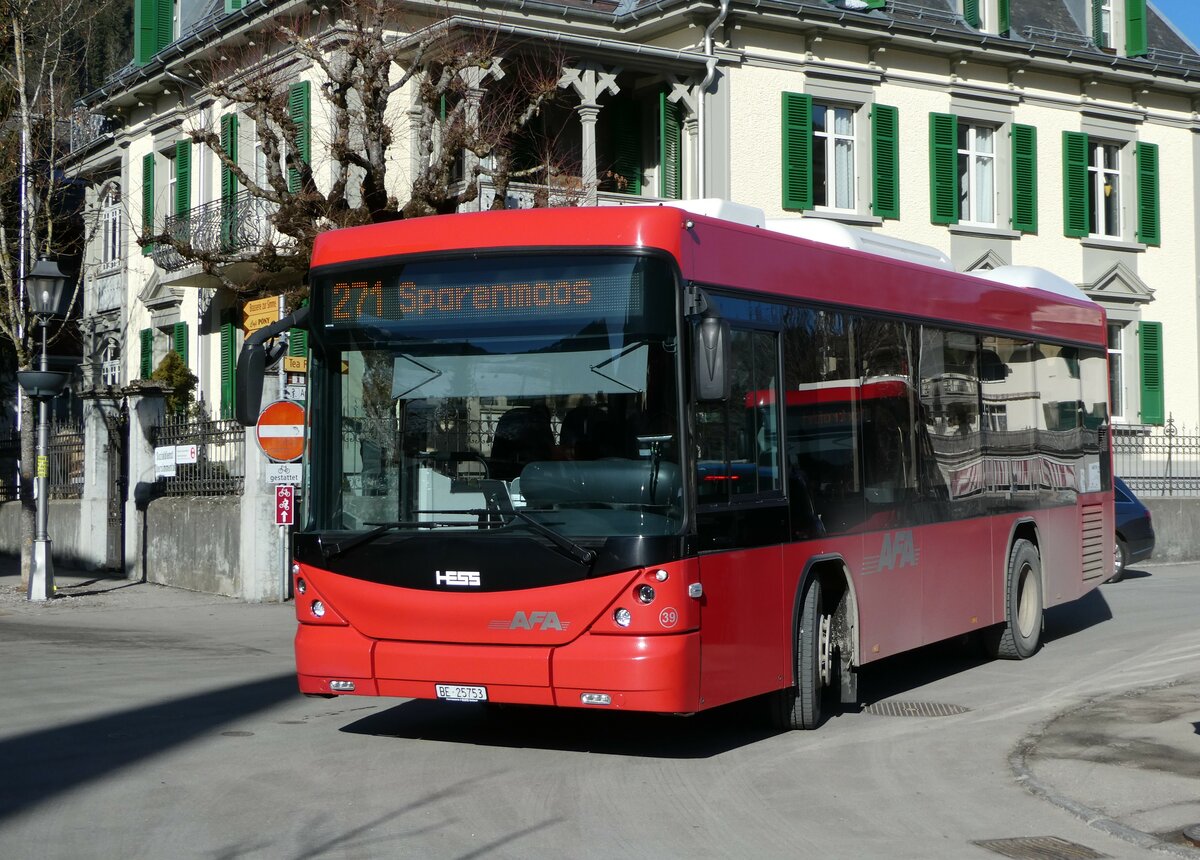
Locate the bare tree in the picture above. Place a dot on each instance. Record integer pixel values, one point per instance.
(43, 47)
(476, 97)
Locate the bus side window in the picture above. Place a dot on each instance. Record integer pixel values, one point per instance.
(738, 441)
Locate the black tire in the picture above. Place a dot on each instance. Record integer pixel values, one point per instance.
(805, 705)
(1020, 635)
(1120, 560)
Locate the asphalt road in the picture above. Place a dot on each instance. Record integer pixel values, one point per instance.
(143, 722)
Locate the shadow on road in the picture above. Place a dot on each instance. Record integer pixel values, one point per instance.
(39, 765)
(596, 732)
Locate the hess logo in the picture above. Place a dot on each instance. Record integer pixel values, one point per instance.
(459, 578)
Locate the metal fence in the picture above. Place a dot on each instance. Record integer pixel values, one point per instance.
(65, 462)
(210, 456)
(1157, 461)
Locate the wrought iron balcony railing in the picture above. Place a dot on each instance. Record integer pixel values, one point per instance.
(232, 226)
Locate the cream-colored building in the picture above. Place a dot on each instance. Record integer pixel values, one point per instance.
(1051, 133)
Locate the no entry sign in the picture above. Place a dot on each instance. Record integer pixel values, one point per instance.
(280, 431)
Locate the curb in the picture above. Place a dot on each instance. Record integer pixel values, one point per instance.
(1017, 761)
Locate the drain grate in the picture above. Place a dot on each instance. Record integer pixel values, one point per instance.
(1038, 848)
(914, 709)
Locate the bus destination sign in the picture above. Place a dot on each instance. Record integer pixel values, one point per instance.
(354, 302)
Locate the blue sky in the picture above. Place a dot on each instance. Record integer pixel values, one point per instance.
(1184, 14)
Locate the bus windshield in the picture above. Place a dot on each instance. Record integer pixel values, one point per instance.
(481, 393)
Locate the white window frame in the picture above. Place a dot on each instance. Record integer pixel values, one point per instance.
(1116, 360)
(969, 179)
(110, 363)
(828, 141)
(1099, 175)
(176, 23)
(1106, 38)
(110, 230)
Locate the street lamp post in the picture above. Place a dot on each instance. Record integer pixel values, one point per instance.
(46, 289)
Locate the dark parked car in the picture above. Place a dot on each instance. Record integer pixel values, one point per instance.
(1135, 532)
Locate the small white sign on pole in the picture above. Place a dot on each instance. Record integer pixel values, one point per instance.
(164, 462)
(285, 473)
(187, 453)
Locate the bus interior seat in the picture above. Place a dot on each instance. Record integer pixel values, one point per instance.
(523, 435)
(613, 481)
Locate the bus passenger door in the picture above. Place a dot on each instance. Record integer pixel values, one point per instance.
(742, 522)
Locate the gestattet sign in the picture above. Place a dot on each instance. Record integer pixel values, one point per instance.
(280, 431)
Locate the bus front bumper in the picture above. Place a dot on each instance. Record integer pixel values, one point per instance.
(640, 673)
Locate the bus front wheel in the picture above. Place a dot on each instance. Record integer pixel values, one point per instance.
(804, 705)
(1021, 633)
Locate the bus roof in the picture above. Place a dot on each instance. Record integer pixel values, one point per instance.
(720, 253)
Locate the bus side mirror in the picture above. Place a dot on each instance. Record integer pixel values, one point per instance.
(252, 364)
(711, 359)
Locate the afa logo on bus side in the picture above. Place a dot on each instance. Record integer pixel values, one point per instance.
(896, 550)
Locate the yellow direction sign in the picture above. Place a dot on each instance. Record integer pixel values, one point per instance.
(295, 364)
(260, 313)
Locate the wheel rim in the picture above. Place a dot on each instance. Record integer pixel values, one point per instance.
(1026, 603)
(1117, 566)
(824, 664)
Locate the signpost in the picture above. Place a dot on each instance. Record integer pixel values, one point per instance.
(260, 313)
(280, 431)
(285, 505)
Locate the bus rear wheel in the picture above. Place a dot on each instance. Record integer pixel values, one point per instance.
(1021, 633)
(804, 705)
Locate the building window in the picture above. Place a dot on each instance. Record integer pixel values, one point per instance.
(110, 363)
(1104, 189)
(977, 174)
(110, 230)
(1116, 370)
(1102, 22)
(834, 178)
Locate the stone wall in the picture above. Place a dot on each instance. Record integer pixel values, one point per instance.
(1176, 527)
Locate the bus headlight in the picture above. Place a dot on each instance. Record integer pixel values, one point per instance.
(622, 617)
(318, 609)
(644, 593)
(301, 586)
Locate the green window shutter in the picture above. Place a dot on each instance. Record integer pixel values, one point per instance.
(971, 12)
(147, 364)
(1150, 343)
(885, 150)
(670, 155)
(299, 109)
(1136, 33)
(1149, 231)
(1098, 24)
(876, 4)
(228, 362)
(147, 199)
(145, 31)
(297, 343)
(232, 6)
(1075, 184)
(797, 151)
(179, 340)
(229, 183)
(627, 145)
(183, 177)
(162, 25)
(1024, 196)
(1005, 23)
(943, 168)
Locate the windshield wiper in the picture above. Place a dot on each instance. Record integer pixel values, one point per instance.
(334, 550)
(573, 550)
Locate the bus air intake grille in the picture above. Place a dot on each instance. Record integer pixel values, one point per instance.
(1038, 848)
(914, 709)
(1092, 533)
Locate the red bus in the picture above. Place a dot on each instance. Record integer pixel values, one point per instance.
(547, 464)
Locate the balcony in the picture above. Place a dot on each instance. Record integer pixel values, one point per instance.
(237, 227)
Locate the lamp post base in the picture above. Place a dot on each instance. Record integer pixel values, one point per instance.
(41, 574)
